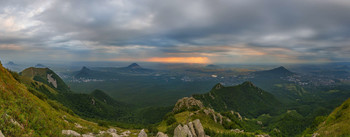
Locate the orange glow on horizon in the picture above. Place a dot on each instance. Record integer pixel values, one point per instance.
(199, 60)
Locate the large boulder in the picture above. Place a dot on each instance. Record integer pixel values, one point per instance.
(161, 134)
(142, 133)
(70, 133)
(187, 103)
(182, 131)
(193, 132)
(199, 128)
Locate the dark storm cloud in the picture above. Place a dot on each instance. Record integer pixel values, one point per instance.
(297, 28)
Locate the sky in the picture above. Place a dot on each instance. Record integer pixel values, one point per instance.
(176, 31)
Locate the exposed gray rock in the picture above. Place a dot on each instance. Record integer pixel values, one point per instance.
(187, 130)
(125, 133)
(198, 128)
(70, 133)
(264, 135)
(1, 135)
(77, 125)
(88, 135)
(187, 103)
(315, 135)
(237, 130)
(112, 130)
(51, 80)
(179, 132)
(161, 134)
(190, 125)
(142, 133)
(114, 135)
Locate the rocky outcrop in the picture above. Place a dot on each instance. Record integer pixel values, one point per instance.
(1, 135)
(217, 117)
(192, 129)
(237, 114)
(125, 133)
(142, 133)
(70, 133)
(187, 103)
(51, 80)
(182, 132)
(161, 134)
(198, 128)
(193, 132)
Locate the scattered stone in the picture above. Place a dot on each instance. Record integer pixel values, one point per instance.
(199, 128)
(315, 135)
(114, 134)
(93, 101)
(125, 133)
(259, 122)
(88, 135)
(161, 134)
(264, 135)
(237, 130)
(77, 125)
(112, 130)
(70, 133)
(142, 133)
(1, 135)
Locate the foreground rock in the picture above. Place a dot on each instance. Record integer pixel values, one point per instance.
(161, 134)
(1, 135)
(192, 129)
(70, 133)
(142, 133)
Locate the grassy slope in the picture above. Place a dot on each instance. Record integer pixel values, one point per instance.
(37, 117)
(337, 123)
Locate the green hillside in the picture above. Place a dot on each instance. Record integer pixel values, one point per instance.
(245, 98)
(337, 124)
(96, 105)
(25, 114)
(43, 75)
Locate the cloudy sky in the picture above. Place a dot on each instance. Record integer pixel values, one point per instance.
(186, 31)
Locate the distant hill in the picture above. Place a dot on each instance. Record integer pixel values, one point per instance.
(46, 76)
(10, 63)
(94, 105)
(337, 123)
(134, 67)
(276, 72)
(87, 73)
(245, 98)
(40, 66)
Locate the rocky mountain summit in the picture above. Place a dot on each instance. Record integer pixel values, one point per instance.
(187, 103)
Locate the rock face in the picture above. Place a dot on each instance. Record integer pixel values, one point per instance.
(70, 133)
(199, 128)
(161, 134)
(142, 133)
(192, 129)
(187, 103)
(182, 131)
(1, 135)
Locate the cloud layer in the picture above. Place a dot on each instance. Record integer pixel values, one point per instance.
(222, 31)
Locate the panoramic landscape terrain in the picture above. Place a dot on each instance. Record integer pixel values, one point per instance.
(146, 68)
